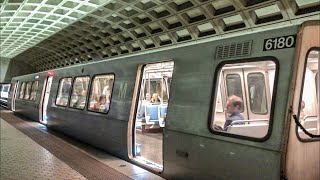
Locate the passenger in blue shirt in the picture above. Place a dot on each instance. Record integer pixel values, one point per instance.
(234, 104)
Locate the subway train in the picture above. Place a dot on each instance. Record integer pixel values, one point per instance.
(172, 111)
(4, 93)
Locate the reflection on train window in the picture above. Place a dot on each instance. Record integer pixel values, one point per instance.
(22, 87)
(100, 95)
(309, 106)
(233, 83)
(152, 111)
(79, 92)
(242, 90)
(63, 92)
(28, 90)
(34, 89)
(257, 93)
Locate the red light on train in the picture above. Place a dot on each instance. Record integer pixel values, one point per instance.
(50, 73)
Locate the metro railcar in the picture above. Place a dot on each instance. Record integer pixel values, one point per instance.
(4, 93)
(165, 110)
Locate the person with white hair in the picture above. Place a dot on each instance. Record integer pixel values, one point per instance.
(233, 107)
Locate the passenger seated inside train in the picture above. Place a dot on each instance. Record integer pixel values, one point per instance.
(80, 99)
(142, 106)
(234, 104)
(233, 108)
(102, 105)
(155, 98)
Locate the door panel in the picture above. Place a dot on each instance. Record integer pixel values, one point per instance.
(14, 95)
(302, 159)
(45, 100)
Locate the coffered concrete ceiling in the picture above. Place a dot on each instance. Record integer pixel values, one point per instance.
(49, 34)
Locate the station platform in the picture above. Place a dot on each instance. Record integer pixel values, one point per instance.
(31, 151)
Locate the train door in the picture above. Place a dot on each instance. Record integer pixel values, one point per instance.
(302, 160)
(14, 95)
(45, 100)
(152, 97)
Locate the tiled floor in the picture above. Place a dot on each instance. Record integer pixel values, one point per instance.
(22, 158)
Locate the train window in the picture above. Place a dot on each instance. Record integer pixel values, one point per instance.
(22, 87)
(34, 89)
(257, 93)
(309, 106)
(100, 95)
(64, 91)
(236, 118)
(233, 83)
(79, 92)
(28, 90)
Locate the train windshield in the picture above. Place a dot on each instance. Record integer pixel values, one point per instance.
(243, 98)
(309, 106)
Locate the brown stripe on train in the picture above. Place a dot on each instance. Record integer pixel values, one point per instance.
(77, 160)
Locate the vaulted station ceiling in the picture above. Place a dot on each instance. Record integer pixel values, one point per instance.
(49, 34)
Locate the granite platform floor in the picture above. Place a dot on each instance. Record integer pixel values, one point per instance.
(23, 156)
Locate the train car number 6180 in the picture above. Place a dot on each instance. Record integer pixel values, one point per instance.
(279, 43)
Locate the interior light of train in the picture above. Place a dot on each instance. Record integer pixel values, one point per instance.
(50, 73)
(36, 77)
(239, 66)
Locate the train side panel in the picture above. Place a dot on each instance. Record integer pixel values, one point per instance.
(25, 107)
(191, 150)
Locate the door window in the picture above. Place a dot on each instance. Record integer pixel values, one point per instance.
(257, 93)
(233, 83)
(309, 106)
